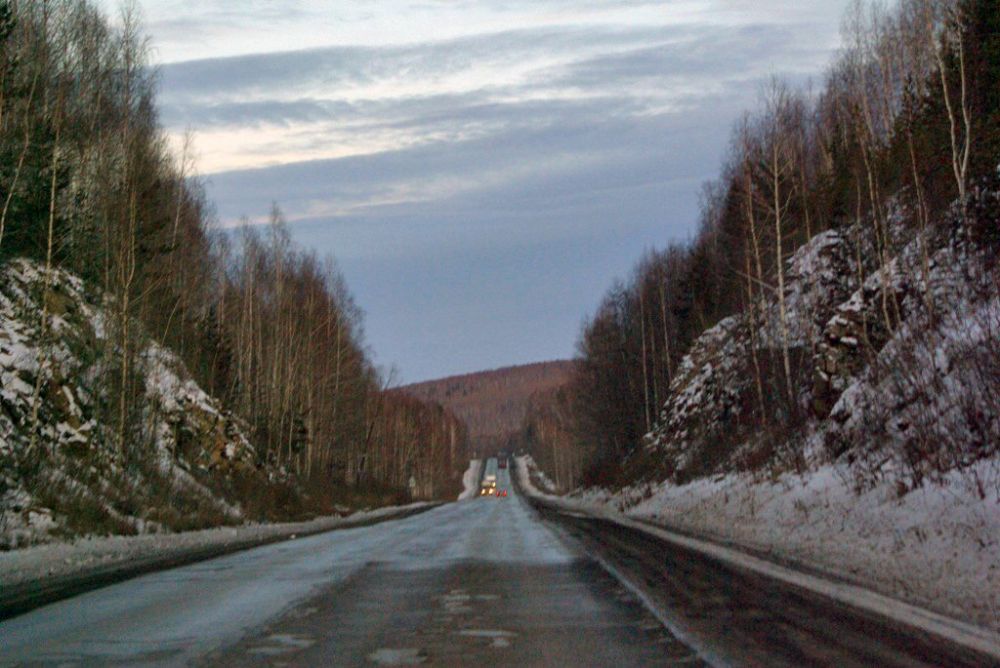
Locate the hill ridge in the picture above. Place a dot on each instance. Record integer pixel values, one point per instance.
(492, 402)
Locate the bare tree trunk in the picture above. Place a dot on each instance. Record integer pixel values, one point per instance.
(752, 328)
(645, 373)
(960, 148)
(754, 286)
(28, 127)
(752, 219)
(780, 266)
(881, 237)
(666, 330)
(859, 260)
(925, 272)
(46, 286)
(128, 271)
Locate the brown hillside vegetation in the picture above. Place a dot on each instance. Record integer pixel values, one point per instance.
(493, 403)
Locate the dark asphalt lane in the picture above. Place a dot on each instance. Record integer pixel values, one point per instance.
(747, 618)
(489, 581)
(470, 613)
(479, 582)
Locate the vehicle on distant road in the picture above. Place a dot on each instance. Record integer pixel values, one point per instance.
(489, 484)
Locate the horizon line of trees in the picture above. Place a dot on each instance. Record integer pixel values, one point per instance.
(88, 183)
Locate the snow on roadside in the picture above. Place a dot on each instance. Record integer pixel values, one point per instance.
(962, 624)
(530, 477)
(470, 479)
(936, 547)
(86, 554)
(524, 463)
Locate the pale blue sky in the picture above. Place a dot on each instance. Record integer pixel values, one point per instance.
(481, 170)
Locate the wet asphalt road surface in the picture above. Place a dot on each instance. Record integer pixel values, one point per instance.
(479, 582)
(489, 581)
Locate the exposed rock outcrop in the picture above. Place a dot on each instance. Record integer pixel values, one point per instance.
(715, 390)
(65, 468)
(893, 364)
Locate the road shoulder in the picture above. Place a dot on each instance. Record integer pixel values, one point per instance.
(974, 638)
(39, 575)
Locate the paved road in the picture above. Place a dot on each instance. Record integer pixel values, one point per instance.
(486, 581)
(477, 582)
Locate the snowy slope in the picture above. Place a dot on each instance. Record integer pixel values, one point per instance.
(890, 477)
(896, 372)
(63, 470)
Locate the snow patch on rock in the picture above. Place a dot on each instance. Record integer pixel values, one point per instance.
(61, 459)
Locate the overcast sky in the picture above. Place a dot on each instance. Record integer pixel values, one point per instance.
(481, 170)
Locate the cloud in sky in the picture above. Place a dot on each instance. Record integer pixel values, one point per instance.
(481, 168)
(263, 109)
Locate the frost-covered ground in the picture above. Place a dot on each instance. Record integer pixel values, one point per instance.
(87, 554)
(937, 547)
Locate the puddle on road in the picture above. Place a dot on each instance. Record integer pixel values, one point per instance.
(407, 656)
(486, 633)
(282, 643)
(303, 612)
(456, 602)
(459, 601)
(498, 638)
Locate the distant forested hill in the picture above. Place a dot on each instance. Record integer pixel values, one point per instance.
(493, 403)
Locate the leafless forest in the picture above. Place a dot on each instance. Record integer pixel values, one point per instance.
(89, 185)
(891, 158)
(493, 404)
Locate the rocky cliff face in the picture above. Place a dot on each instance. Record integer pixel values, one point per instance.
(894, 364)
(731, 369)
(64, 468)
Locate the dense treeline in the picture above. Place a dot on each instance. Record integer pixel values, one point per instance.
(547, 433)
(908, 117)
(413, 441)
(88, 183)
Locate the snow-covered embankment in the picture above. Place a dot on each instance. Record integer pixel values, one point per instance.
(761, 545)
(470, 479)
